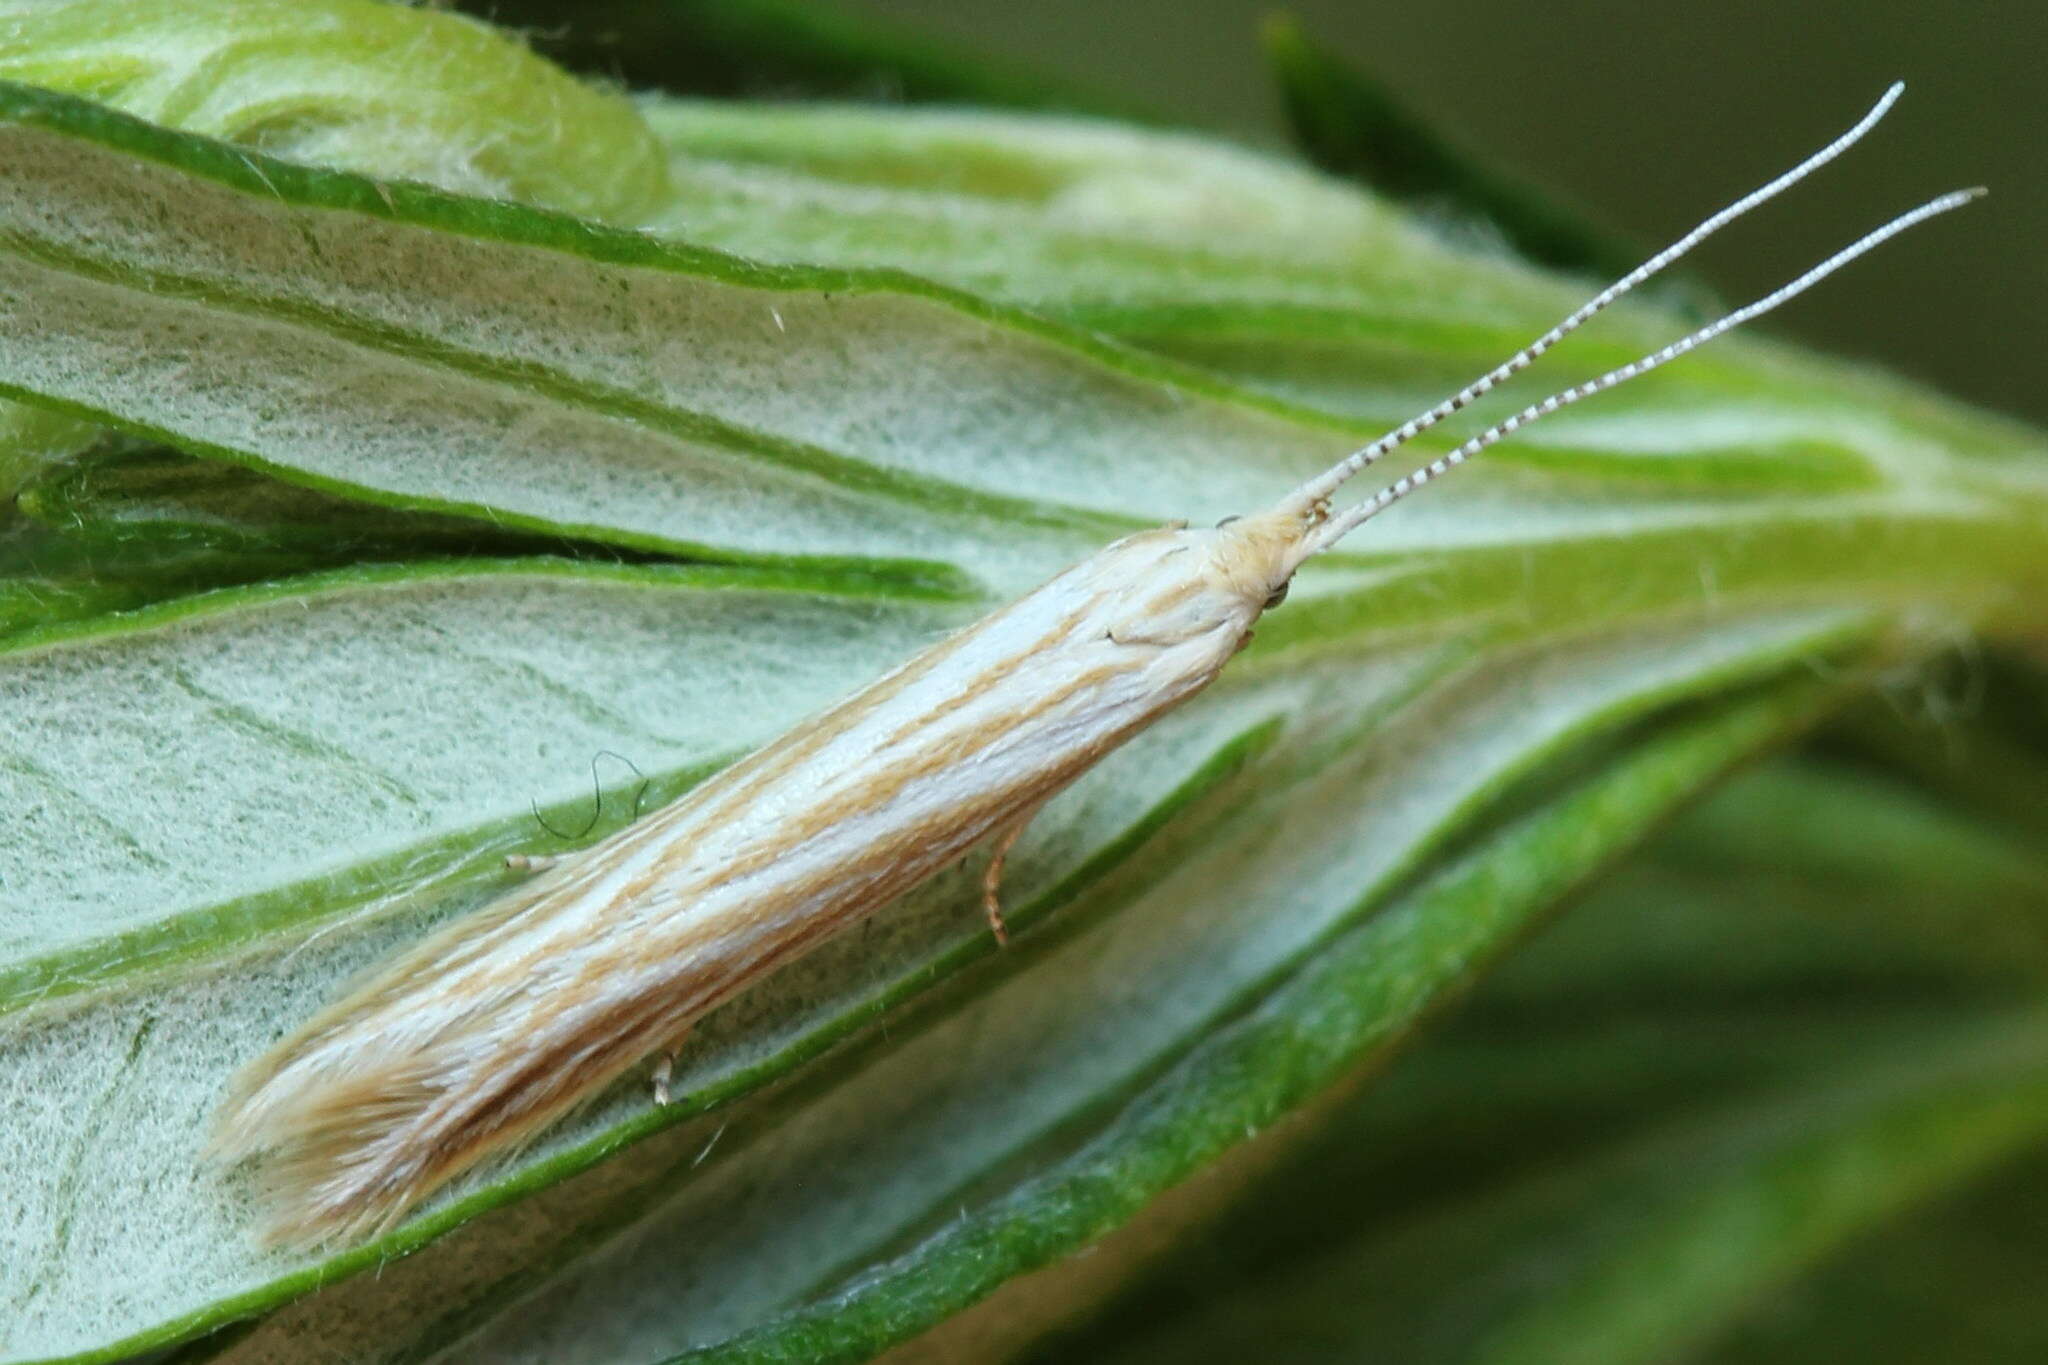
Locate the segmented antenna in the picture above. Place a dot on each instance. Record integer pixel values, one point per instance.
(1323, 485)
(1340, 525)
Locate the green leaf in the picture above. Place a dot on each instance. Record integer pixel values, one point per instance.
(162, 523)
(383, 89)
(1800, 881)
(780, 49)
(1243, 264)
(1189, 247)
(1692, 1089)
(1240, 263)
(1635, 1242)
(1955, 1282)
(32, 437)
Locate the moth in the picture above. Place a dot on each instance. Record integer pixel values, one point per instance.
(493, 1028)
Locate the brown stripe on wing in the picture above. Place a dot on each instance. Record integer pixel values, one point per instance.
(745, 779)
(991, 675)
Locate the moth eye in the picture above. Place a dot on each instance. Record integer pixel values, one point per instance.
(1227, 520)
(1277, 596)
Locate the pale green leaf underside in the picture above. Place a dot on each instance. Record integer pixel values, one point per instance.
(383, 90)
(557, 376)
(1247, 264)
(421, 741)
(295, 717)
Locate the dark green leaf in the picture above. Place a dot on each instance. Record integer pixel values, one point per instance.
(1351, 126)
(779, 49)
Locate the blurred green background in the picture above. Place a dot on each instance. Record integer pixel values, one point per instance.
(1651, 115)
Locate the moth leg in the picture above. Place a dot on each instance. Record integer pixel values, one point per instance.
(992, 877)
(530, 862)
(664, 1069)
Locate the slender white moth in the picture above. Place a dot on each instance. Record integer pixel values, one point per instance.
(501, 1023)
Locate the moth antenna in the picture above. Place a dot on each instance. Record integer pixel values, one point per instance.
(1313, 493)
(1338, 526)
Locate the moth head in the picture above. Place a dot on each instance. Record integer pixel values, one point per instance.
(1180, 584)
(1255, 557)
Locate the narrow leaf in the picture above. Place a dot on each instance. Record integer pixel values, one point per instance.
(781, 49)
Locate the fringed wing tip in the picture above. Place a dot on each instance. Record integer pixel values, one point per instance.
(307, 1208)
(238, 1130)
(336, 1162)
